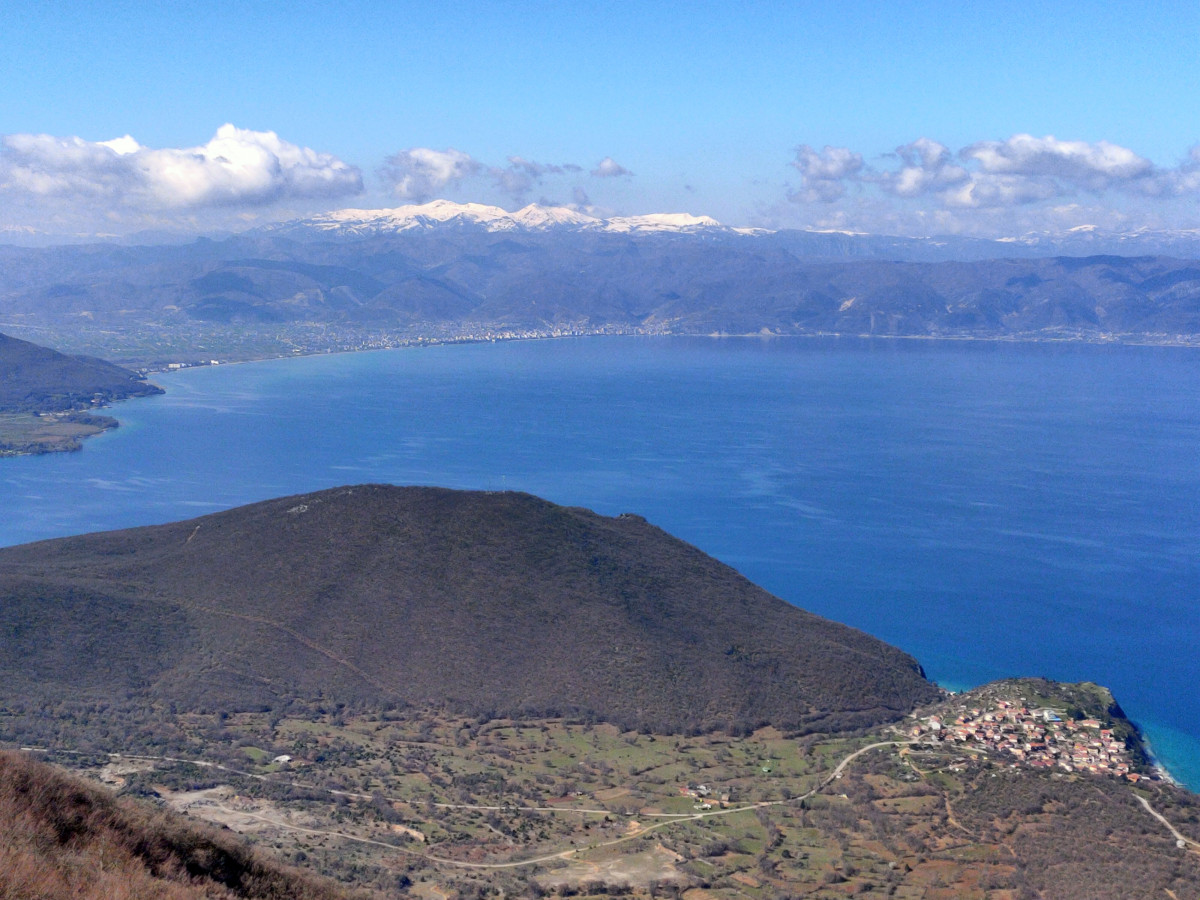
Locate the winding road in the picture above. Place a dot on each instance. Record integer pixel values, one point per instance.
(667, 819)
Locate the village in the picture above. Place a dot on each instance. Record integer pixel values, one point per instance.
(1039, 738)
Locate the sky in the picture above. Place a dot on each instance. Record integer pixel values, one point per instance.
(901, 118)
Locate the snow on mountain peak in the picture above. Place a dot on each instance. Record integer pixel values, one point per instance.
(534, 216)
(678, 222)
(403, 218)
(492, 218)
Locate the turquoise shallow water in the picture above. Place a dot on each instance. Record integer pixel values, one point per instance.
(994, 509)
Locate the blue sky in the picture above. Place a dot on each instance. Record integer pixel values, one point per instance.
(698, 107)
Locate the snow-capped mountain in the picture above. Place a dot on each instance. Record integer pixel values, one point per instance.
(493, 218)
(1084, 239)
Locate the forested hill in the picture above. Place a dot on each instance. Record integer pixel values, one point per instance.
(38, 379)
(482, 602)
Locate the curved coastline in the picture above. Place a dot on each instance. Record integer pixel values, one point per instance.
(463, 470)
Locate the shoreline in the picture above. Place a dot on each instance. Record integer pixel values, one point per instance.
(509, 335)
(315, 339)
(505, 335)
(1155, 762)
(40, 434)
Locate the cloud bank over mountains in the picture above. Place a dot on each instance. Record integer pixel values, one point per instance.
(236, 168)
(241, 177)
(931, 181)
(420, 174)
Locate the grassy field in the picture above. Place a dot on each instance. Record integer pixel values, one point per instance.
(31, 433)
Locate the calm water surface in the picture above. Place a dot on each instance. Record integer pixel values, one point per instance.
(993, 509)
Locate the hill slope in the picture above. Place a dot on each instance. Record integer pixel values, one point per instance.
(484, 602)
(64, 838)
(38, 379)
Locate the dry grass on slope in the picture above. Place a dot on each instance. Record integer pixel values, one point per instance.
(61, 837)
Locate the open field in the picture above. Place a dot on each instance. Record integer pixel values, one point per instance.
(445, 806)
(32, 433)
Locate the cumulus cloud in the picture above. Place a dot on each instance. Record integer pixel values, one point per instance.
(1186, 178)
(521, 175)
(988, 187)
(925, 165)
(1097, 165)
(1020, 171)
(826, 172)
(418, 174)
(237, 167)
(610, 168)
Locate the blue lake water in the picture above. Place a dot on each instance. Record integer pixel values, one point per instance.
(994, 509)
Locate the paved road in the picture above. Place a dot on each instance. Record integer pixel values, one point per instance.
(1179, 838)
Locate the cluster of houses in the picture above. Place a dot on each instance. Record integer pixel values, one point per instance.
(703, 795)
(1039, 738)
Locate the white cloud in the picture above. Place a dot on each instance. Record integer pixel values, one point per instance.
(420, 173)
(610, 168)
(926, 165)
(1020, 170)
(988, 186)
(236, 168)
(825, 172)
(521, 175)
(1094, 165)
(979, 190)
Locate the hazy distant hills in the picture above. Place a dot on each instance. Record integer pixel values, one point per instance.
(38, 379)
(455, 266)
(482, 602)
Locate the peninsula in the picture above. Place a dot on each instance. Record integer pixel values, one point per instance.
(47, 398)
(432, 693)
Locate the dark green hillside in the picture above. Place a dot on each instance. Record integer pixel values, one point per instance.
(37, 379)
(483, 602)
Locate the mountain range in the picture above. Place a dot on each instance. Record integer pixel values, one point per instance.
(826, 243)
(463, 269)
(441, 213)
(1081, 240)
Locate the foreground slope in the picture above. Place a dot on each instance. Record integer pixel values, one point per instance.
(61, 837)
(482, 602)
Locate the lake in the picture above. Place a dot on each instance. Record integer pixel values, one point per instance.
(993, 508)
